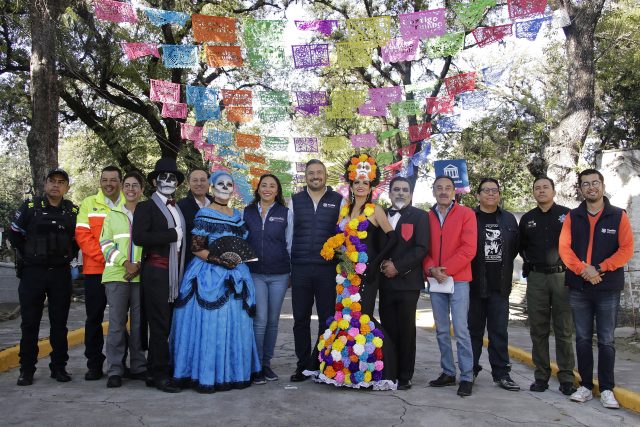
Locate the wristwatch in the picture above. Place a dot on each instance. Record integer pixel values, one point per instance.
(599, 269)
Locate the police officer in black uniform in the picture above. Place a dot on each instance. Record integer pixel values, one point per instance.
(42, 232)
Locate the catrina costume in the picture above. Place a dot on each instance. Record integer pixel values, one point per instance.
(354, 350)
(212, 340)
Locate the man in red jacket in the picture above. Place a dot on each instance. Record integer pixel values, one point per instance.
(453, 246)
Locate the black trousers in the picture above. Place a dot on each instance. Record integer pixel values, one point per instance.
(95, 302)
(398, 316)
(492, 312)
(38, 282)
(309, 282)
(159, 312)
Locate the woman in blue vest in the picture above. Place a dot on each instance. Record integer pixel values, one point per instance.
(268, 221)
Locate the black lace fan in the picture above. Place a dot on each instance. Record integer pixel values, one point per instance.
(232, 248)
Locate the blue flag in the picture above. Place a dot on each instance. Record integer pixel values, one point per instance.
(455, 169)
(160, 17)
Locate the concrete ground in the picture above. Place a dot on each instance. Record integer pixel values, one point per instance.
(283, 403)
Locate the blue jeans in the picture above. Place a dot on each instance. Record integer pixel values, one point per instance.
(270, 290)
(458, 304)
(603, 306)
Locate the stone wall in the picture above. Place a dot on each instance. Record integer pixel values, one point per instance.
(621, 170)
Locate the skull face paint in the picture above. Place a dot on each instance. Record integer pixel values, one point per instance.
(223, 187)
(363, 168)
(400, 194)
(166, 183)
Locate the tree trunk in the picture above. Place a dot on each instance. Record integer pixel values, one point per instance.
(42, 139)
(568, 136)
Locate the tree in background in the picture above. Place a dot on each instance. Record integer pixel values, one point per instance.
(108, 95)
(567, 137)
(617, 114)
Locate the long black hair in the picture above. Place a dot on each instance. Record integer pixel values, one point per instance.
(279, 196)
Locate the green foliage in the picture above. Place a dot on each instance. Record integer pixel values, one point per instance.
(497, 147)
(15, 176)
(617, 120)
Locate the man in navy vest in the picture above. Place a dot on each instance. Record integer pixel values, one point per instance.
(596, 242)
(315, 214)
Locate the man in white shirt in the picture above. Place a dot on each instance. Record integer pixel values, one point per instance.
(314, 212)
(159, 227)
(197, 198)
(403, 277)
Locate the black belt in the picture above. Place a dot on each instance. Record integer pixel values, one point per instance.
(545, 269)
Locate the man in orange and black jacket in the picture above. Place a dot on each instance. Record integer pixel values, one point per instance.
(93, 211)
(595, 243)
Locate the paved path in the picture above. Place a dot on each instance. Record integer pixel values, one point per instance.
(283, 403)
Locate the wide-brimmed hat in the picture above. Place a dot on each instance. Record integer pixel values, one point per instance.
(166, 165)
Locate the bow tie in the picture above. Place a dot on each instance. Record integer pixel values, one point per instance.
(393, 212)
(171, 202)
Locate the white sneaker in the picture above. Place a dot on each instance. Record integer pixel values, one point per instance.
(608, 400)
(581, 395)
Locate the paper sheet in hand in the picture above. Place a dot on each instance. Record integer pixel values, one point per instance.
(443, 288)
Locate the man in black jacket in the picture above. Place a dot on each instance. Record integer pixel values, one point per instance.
(498, 243)
(42, 232)
(158, 226)
(197, 198)
(403, 277)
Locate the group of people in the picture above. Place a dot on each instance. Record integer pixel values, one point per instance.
(573, 261)
(213, 320)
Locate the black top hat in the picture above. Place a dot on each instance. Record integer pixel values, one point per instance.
(166, 165)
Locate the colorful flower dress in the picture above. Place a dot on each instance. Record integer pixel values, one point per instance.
(351, 350)
(212, 341)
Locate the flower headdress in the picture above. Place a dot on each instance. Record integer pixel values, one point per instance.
(362, 165)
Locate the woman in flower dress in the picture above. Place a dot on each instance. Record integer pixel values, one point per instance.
(212, 341)
(352, 349)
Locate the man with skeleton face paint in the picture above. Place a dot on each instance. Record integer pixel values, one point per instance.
(166, 184)
(402, 277)
(159, 227)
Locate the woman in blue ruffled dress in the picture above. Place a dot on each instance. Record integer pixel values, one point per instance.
(212, 339)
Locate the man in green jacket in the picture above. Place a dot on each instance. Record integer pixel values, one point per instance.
(122, 285)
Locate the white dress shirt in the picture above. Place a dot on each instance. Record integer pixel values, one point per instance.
(393, 220)
(176, 219)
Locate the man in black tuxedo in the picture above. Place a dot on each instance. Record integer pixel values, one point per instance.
(159, 227)
(403, 278)
(197, 198)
